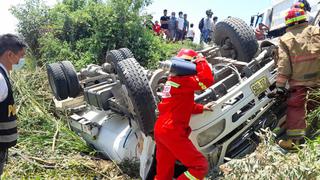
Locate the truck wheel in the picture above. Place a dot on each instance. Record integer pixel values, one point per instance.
(132, 75)
(126, 53)
(57, 81)
(113, 57)
(236, 39)
(74, 87)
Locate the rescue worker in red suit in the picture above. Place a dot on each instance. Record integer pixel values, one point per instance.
(172, 126)
(299, 66)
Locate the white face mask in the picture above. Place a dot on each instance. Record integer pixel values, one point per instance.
(19, 65)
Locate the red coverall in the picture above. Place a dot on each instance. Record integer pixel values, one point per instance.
(172, 126)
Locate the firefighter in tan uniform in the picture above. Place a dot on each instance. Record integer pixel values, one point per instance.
(299, 66)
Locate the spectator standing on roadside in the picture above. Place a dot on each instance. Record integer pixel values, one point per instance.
(185, 26)
(207, 26)
(156, 28)
(180, 25)
(164, 22)
(172, 26)
(215, 20)
(190, 34)
(200, 26)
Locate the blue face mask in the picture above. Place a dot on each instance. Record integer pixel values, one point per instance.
(19, 65)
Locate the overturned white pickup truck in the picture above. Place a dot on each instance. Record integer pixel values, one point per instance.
(114, 106)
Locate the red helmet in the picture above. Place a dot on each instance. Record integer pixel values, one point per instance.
(295, 15)
(298, 5)
(187, 54)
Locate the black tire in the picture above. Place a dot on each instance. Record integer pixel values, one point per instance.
(57, 81)
(74, 87)
(126, 53)
(242, 37)
(113, 57)
(132, 75)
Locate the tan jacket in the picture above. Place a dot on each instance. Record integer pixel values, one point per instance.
(299, 56)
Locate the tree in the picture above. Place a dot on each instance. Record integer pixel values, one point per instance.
(32, 16)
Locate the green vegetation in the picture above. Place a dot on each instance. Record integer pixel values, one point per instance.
(269, 162)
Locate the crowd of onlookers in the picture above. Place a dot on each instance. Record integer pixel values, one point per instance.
(174, 28)
(206, 27)
(177, 28)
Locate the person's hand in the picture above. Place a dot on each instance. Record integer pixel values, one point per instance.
(280, 94)
(209, 106)
(281, 91)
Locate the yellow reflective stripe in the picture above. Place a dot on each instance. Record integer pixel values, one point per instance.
(296, 19)
(186, 57)
(296, 132)
(203, 87)
(189, 176)
(173, 84)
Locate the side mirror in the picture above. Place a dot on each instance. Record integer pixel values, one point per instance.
(252, 21)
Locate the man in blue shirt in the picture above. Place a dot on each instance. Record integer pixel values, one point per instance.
(172, 26)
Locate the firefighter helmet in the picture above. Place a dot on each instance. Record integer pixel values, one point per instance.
(187, 54)
(295, 15)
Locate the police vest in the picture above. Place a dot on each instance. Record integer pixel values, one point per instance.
(8, 123)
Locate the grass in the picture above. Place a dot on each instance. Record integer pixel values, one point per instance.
(46, 148)
(270, 162)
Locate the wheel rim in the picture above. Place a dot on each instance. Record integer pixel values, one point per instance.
(53, 85)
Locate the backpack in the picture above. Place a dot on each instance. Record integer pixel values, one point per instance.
(201, 24)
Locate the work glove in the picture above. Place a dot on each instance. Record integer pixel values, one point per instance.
(280, 94)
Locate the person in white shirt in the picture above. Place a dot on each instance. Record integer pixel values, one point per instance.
(180, 25)
(190, 34)
(207, 26)
(3, 85)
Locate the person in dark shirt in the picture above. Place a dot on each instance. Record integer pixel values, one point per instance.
(164, 22)
(172, 26)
